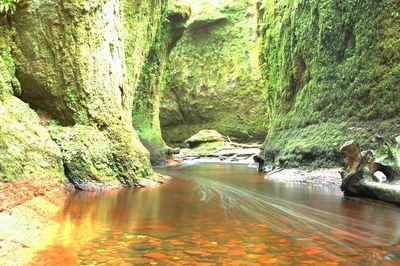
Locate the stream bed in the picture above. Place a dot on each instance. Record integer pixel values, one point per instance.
(223, 214)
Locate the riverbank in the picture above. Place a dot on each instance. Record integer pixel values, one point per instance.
(327, 177)
(27, 209)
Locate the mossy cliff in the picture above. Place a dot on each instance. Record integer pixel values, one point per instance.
(146, 111)
(26, 148)
(78, 65)
(332, 73)
(213, 78)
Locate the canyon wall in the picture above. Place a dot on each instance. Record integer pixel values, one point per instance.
(69, 72)
(213, 79)
(331, 73)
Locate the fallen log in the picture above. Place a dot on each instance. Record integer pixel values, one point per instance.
(374, 173)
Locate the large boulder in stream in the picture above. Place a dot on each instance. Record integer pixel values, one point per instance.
(373, 173)
(204, 136)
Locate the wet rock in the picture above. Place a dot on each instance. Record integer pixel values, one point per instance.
(86, 253)
(193, 252)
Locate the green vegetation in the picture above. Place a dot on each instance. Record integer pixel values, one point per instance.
(146, 104)
(71, 71)
(331, 74)
(213, 79)
(79, 78)
(8, 6)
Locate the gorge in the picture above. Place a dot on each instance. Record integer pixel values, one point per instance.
(94, 94)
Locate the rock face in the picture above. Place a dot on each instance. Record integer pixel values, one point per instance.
(213, 79)
(331, 74)
(146, 111)
(26, 149)
(74, 71)
(374, 173)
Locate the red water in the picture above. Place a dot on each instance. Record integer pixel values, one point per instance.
(223, 215)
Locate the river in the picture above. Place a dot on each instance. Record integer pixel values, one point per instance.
(223, 214)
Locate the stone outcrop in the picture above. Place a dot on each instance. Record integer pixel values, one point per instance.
(26, 149)
(204, 136)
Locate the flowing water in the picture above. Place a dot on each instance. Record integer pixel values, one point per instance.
(220, 214)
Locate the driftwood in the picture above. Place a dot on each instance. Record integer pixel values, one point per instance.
(374, 173)
(245, 146)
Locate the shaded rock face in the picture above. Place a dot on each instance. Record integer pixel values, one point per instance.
(26, 149)
(327, 84)
(146, 111)
(374, 173)
(213, 78)
(71, 63)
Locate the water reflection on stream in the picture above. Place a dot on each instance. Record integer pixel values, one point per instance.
(223, 215)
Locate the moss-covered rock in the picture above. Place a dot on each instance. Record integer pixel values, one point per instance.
(8, 81)
(92, 159)
(146, 104)
(74, 70)
(71, 60)
(213, 79)
(374, 174)
(204, 136)
(331, 74)
(26, 149)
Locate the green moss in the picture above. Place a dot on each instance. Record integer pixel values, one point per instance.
(320, 78)
(205, 136)
(213, 78)
(92, 156)
(73, 68)
(205, 148)
(146, 106)
(8, 82)
(26, 149)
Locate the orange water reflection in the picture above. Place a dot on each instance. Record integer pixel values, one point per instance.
(223, 215)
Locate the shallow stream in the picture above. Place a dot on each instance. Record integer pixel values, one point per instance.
(221, 214)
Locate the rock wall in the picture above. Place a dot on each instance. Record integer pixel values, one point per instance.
(332, 74)
(213, 80)
(26, 148)
(146, 111)
(76, 75)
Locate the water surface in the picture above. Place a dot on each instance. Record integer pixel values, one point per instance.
(221, 214)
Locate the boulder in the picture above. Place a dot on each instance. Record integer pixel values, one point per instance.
(204, 136)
